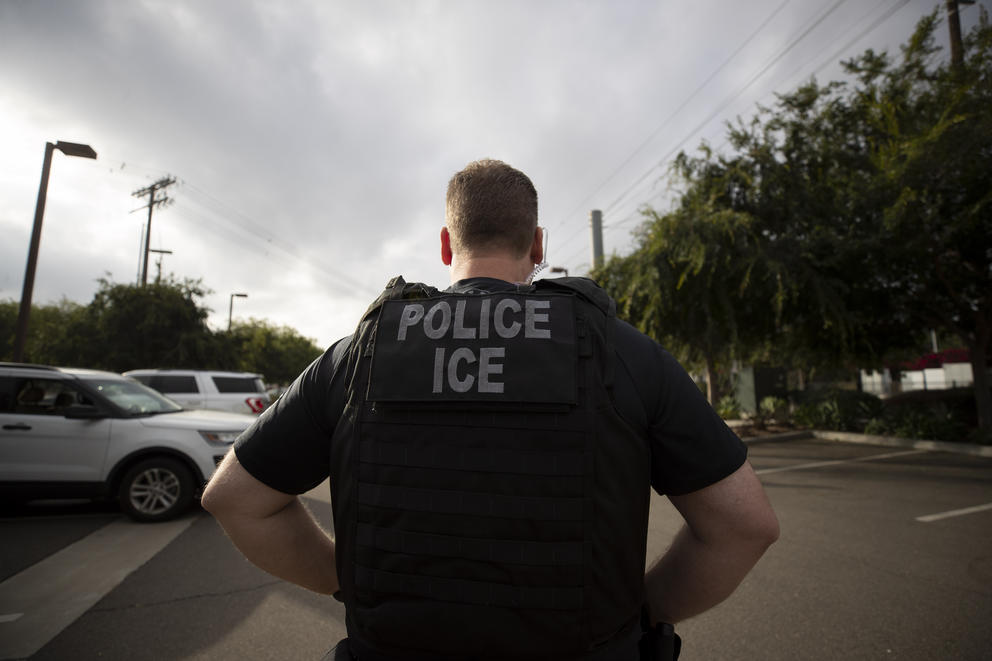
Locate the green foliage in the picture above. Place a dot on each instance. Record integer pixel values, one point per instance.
(161, 324)
(938, 422)
(8, 326)
(837, 410)
(278, 353)
(728, 408)
(943, 415)
(845, 219)
(771, 408)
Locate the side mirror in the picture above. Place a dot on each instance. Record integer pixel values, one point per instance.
(83, 412)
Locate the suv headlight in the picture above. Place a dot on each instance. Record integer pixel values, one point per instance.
(219, 437)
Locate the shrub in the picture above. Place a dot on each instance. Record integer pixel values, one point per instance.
(838, 410)
(728, 408)
(936, 422)
(771, 408)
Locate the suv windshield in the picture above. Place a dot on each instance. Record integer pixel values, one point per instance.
(133, 397)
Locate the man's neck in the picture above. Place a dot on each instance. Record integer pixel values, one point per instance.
(500, 268)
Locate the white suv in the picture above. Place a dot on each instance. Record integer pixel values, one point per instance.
(73, 433)
(241, 392)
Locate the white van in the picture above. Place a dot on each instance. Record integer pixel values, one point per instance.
(240, 392)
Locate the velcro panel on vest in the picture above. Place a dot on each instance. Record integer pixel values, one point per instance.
(476, 348)
(467, 511)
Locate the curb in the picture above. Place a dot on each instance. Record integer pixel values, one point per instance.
(870, 439)
(782, 436)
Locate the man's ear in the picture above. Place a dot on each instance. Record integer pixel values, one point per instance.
(537, 246)
(445, 247)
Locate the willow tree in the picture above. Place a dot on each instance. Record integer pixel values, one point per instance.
(846, 221)
(696, 284)
(933, 154)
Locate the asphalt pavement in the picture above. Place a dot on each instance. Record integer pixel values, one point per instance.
(885, 553)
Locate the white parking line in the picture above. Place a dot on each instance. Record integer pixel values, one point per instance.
(45, 598)
(952, 513)
(819, 464)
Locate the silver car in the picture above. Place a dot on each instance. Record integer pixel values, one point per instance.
(75, 433)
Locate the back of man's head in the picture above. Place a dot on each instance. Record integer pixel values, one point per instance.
(491, 208)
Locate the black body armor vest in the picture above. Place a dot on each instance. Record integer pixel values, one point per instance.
(489, 501)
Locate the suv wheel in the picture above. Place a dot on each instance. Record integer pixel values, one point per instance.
(156, 490)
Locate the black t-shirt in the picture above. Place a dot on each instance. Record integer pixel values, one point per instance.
(288, 447)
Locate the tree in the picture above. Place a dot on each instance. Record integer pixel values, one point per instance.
(934, 156)
(852, 216)
(278, 353)
(58, 332)
(155, 325)
(695, 284)
(161, 324)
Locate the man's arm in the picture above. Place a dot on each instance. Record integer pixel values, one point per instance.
(729, 525)
(271, 528)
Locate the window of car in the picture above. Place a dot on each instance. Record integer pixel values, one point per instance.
(171, 383)
(37, 396)
(133, 397)
(228, 384)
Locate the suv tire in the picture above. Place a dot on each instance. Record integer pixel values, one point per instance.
(156, 489)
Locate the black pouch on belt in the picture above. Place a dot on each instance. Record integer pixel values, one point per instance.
(659, 642)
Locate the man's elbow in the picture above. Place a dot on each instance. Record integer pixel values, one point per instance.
(771, 530)
(213, 498)
(762, 530)
(218, 493)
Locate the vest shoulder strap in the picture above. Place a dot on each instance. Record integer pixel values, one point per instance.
(584, 287)
(398, 288)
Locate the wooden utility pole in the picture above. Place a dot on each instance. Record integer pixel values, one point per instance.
(153, 201)
(158, 262)
(954, 25)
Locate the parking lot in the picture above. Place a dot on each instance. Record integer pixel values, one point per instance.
(885, 552)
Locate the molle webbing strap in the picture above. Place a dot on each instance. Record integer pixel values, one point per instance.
(474, 459)
(470, 592)
(468, 503)
(486, 550)
(595, 295)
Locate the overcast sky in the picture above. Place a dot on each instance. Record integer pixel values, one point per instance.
(312, 141)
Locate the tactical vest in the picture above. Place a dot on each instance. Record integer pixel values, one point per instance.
(489, 501)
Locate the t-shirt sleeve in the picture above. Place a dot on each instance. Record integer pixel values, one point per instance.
(691, 446)
(288, 446)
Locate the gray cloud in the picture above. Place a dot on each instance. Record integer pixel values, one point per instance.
(313, 141)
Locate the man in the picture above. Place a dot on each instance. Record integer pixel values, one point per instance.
(491, 450)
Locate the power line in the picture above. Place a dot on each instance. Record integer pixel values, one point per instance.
(261, 234)
(231, 228)
(886, 15)
(768, 65)
(824, 63)
(675, 112)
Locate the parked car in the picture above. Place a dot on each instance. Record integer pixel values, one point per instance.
(241, 392)
(75, 433)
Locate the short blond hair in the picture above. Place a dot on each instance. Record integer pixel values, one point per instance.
(491, 207)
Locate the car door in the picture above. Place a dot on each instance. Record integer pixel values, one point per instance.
(38, 443)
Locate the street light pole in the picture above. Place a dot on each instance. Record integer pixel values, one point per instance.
(230, 309)
(24, 312)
